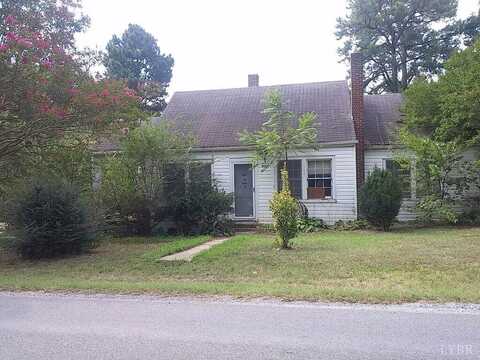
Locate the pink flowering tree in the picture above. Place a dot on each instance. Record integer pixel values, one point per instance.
(46, 94)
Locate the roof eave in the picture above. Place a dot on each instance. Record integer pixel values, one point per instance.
(247, 148)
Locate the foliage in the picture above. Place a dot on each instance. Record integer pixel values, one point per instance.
(57, 19)
(47, 97)
(403, 39)
(48, 220)
(448, 110)
(351, 225)
(308, 225)
(136, 57)
(432, 207)
(133, 182)
(285, 211)
(470, 217)
(441, 123)
(380, 198)
(202, 208)
(282, 132)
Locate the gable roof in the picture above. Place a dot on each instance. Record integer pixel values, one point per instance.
(382, 118)
(216, 117)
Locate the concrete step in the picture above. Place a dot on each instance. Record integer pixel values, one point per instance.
(245, 226)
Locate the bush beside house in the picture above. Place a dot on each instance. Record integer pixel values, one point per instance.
(284, 209)
(380, 199)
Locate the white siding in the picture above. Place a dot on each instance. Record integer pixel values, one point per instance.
(341, 207)
(376, 158)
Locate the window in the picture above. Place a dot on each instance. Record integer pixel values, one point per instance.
(319, 179)
(403, 175)
(294, 177)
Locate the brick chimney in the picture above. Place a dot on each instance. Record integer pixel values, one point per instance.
(253, 80)
(356, 63)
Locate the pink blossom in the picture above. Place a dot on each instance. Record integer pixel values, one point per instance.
(11, 37)
(129, 92)
(10, 20)
(3, 47)
(73, 91)
(105, 93)
(47, 64)
(41, 43)
(24, 43)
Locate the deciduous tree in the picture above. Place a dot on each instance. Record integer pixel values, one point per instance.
(284, 131)
(46, 95)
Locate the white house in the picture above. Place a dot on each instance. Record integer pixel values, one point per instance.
(354, 135)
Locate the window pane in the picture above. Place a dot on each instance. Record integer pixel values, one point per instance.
(319, 179)
(294, 177)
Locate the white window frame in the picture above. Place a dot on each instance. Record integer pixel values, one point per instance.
(331, 174)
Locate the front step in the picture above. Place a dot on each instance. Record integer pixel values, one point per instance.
(245, 226)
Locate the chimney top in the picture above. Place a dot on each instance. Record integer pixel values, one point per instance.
(253, 80)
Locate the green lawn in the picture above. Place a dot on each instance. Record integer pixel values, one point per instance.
(438, 264)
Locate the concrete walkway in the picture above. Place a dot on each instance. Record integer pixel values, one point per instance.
(189, 254)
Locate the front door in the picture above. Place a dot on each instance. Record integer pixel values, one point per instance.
(243, 179)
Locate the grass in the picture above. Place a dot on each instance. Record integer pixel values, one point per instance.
(437, 265)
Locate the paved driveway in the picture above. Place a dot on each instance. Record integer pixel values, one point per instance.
(63, 327)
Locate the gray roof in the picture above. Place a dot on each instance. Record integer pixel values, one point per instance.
(382, 117)
(216, 117)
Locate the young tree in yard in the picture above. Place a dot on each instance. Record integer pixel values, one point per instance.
(442, 120)
(403, 39)
(284, 131)
(136, 58)
(45, 94)
(133, 181)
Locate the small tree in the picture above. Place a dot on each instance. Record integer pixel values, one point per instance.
(282, 132)
(284, 209)
(201, 207)
(133, 181)
(380, 198)
(48, 220)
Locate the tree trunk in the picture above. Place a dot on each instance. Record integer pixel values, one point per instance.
(403, 57)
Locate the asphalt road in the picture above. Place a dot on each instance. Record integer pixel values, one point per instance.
(34, 326)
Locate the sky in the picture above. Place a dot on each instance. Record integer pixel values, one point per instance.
(217, 43)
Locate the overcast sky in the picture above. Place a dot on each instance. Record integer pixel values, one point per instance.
(217, 43)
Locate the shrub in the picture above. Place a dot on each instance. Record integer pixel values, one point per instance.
(48, 220)
(470, 217)
(380, 199)
(434, 209)
(308, 224)
(285, 212)
(351, 225)
(202, 208)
